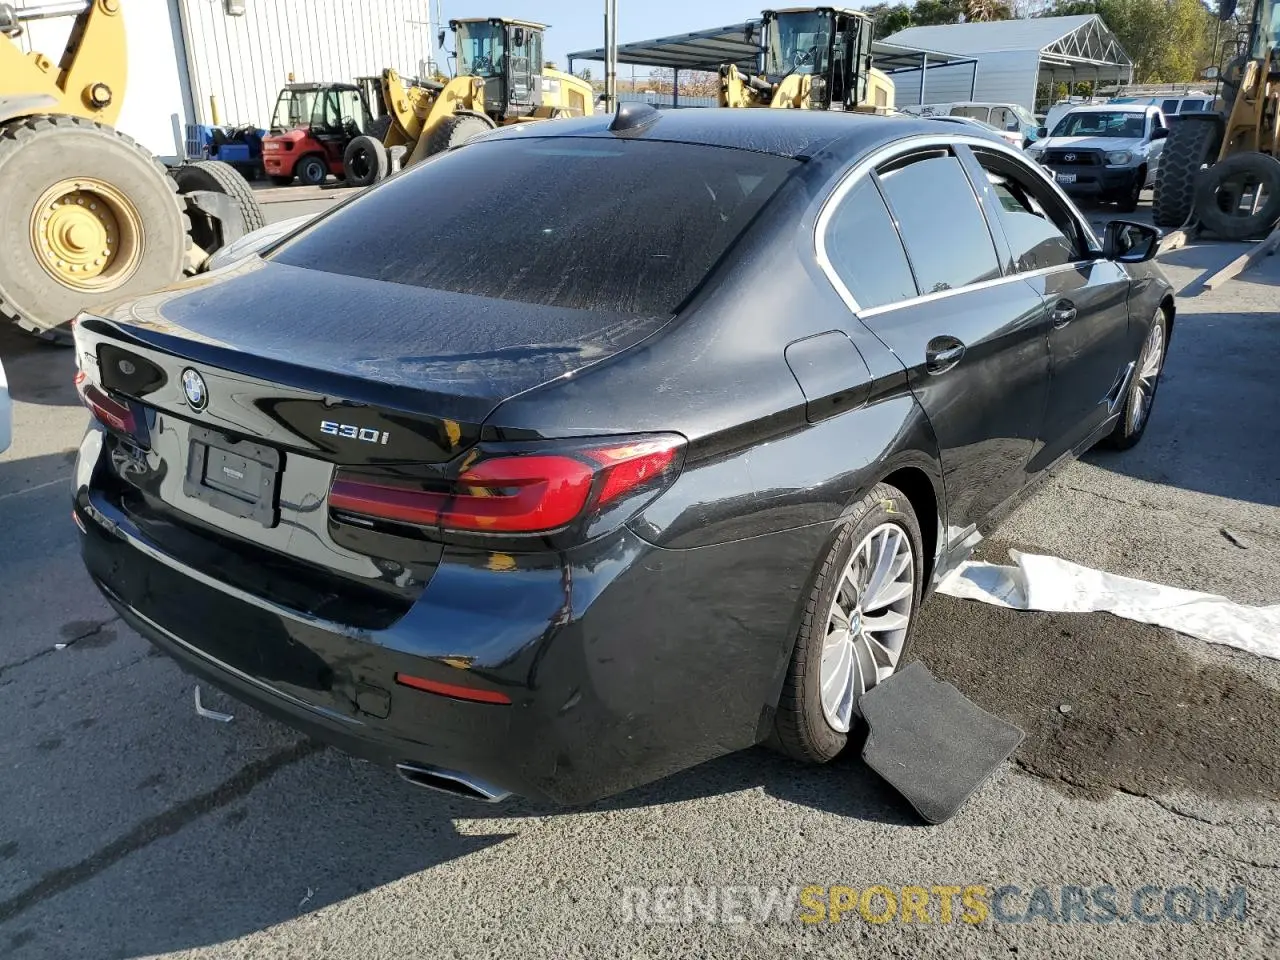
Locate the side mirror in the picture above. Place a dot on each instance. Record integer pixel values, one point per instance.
(1127, 241)
(1041, 132)
(1226, 9)
(1159, 133)
(749, 34)
(440, 39)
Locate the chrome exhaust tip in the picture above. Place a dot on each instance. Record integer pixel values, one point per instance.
(451, 782)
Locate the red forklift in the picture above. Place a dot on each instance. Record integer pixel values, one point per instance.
(310, 129)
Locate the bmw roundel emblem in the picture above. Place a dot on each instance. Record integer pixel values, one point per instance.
(193, 386)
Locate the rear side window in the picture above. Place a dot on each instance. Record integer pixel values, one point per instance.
(1169, 106)
(942, 226)
(1190, 106)
(865, 250)
(628, 226)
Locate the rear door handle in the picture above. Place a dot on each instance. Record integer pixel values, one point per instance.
(942, 353)
(1064, 311)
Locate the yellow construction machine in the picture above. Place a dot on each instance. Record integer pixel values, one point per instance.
(1222, 171)
(87, 216)
(502, 79)
(814, 58)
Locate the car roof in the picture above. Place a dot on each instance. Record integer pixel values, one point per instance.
(1113, 108)
(784, 133)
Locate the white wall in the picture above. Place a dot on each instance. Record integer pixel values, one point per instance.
(1001, 78)
(245, 60)
(942, 84)
(156, 95)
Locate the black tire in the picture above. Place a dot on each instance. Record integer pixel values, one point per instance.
(222, 178)
(36, 153)
(1226, 224)
(1129, 429)
(456, 130)
(1129, 202)
(1190, 145)
(311, 170)
(801, 730)
(282, 181)
(365, 162)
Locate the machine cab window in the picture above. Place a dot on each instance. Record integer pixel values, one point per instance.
(481, 48)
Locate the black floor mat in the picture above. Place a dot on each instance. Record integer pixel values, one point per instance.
(933, 744)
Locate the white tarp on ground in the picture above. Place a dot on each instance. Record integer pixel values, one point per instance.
(1047, 583)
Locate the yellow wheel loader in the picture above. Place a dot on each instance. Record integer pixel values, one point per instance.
(87, 216)
(501, 80)
(815, 58)
(1222, 171)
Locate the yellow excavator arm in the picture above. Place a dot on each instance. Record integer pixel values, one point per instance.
(89, 81)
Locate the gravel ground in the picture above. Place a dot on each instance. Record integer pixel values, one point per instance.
(129, 827)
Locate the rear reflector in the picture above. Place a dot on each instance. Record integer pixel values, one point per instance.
(520, 494)
(452, 690)
(110, 413)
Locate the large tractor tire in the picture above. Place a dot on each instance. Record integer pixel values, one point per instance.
(1218, 200)
(1190, 145)
(207, 233)
(456, 130)
(365, 162)
(88, 217)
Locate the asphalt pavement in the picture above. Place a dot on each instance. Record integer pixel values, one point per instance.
(130, 827)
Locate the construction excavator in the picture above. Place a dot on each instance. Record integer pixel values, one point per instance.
(1221, 171)
(501, 80)
(87, 215)
(814, 58)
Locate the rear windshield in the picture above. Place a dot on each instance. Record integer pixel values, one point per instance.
(621, 225)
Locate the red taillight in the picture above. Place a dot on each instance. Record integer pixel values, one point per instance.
(454, 690)
(518, 494)
(110, 413)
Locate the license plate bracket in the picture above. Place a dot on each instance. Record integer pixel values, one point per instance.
(238, 477)
(1066, 177)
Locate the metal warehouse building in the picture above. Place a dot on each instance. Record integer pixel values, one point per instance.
(1013, 58)
(241, 52)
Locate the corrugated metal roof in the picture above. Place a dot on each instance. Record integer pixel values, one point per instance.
(707, 49)
(967, 39)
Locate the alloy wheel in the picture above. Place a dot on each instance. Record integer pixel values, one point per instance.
(867, 623)
(1149, 365)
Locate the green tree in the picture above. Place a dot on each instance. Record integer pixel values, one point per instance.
(982, 11)
(1169, 41)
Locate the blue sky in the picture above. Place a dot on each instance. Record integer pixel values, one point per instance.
(579, 24)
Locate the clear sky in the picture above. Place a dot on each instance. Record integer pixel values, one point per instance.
(579, 24)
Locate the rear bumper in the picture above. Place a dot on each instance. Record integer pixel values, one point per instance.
(623, 664)
(278, 164)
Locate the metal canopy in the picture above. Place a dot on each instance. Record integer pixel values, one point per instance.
(708, 49)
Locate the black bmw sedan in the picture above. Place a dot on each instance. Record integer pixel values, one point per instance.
(595, 449)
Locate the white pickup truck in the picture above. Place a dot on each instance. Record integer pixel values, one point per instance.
(1106, 152)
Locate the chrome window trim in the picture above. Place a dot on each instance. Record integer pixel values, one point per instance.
(910, 145)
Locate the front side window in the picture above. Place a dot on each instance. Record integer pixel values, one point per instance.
(864, 248)
(1039, 231)
(942, 226)
(1003, 118)
(798, 43)
(626, 226)
(480, 49)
